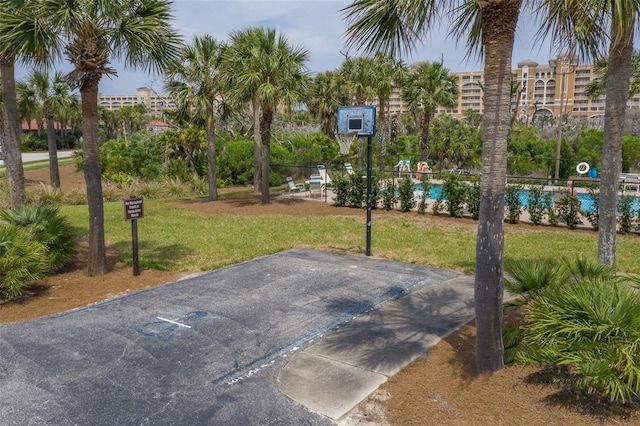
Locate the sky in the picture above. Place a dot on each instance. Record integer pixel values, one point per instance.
(316, 25)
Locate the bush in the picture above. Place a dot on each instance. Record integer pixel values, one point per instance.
(426, 193)
(357, 192)
(550, 209)
(22, 259)
(389, 195)
(593, 216)
(592, 328)
(473, 199)
(513, 203)
(625, 214)
(405, 195)
(530, 277)
(48, 228)
(340, 187)
(455, 193)
(568, 210)
(536, 204)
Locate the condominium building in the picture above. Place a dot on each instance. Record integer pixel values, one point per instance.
(558, 87)
(154, 102)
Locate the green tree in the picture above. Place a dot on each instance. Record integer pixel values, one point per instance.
(424, 89)
(91, 34)
(196, 85)
(490, 25)
(264, 68)
(326, 94)
(52, 94)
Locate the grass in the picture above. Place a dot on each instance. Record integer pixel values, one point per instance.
(168, 240)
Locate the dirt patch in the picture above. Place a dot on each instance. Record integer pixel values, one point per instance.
(437, 390)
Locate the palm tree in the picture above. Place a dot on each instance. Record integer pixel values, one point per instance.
(196, 85)
(584, 23)
(52, 94)
(386, 71)
(425, 88)
(91, 34)
(11, 130)
(263, 68)
(596, 87)
(390, 26)
(326, 94)
(358, 75)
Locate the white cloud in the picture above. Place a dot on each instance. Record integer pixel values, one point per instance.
(316, 25)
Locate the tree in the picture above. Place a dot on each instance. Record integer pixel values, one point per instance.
(424, 89)
(490, 25)
(91, 34)
(326, 94)
(11, 131)
(196, 85)
(52, 94)
(584, 24)
(263, 68)
(596, 87)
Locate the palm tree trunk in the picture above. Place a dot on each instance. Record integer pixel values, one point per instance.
(211, 148)
(54, 173)
(617, 90)
(11, 134)
(499, 25)
(424, 138)
(256, 145)
(97, 264)
(265, 134)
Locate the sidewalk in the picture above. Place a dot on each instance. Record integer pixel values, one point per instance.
(334, 375)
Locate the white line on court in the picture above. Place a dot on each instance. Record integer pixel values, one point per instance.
(174, 322)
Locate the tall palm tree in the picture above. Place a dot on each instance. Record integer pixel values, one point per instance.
(51, 93)
(425, 88)
(326, 94)
(11, 130)
(490, 25)
(91, 34)
(584, 24)
(263, 68)
(196, 85)
(358, 75)
(386, 72)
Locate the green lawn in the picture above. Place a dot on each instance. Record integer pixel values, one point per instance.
(175, 238)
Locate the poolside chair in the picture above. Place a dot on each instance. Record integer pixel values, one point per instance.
(326, 179)
(630, 183)
(403, 166)
(293, 187)
(315, 186)
(423, 167)
(349, 168)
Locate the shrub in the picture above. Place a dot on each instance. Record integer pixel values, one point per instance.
(426, 193)
(530, 277)
(625, 214)
(591, 327)
(513, 203)
(357, 192)
(47, 227)
(593, 216)
(550, 209)
(45, 195)
(22, 259)
(536, 204)
(340, 187)
(389, 195)
(568, 210)
(76, 197)
(405, 195)
(473, 199)
(455, 193)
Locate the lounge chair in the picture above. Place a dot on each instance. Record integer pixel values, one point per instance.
(326, 179)
(403, 166)
(349, 168)
(295, 187)
(315, 186)
(630, 182)
(423, 167)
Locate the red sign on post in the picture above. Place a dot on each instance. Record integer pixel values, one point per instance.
(133, 208)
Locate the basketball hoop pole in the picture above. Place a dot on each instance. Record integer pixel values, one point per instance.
(369, 201)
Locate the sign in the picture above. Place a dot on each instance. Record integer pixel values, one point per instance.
(133, 208)
(359, 120)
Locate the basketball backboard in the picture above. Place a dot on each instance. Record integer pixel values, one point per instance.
(360, 120)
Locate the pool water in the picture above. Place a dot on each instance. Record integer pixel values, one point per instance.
(587, 203)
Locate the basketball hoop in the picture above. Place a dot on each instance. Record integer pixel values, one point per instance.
(345, 140)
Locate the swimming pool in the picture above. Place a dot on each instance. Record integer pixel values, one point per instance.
(586, 201)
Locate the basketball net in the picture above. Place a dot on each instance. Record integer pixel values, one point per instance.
(345, 140)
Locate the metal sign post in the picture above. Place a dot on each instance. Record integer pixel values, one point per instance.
(369, 195)
(133, 210)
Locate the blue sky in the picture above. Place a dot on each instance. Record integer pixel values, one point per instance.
(316, 25)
